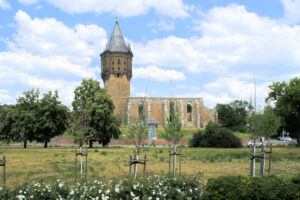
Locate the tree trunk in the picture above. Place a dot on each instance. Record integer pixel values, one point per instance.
(45, 144)
(90, 143)
(298, 142)
(25, 144)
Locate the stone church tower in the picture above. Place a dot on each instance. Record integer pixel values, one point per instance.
(116, 71)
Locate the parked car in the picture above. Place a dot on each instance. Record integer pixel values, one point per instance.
(251, 143)
(289, 139)
(280, 138)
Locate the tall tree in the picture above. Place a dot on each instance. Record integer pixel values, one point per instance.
(95, 108)
(233, 115)
(53, 117)
(265, 123)
(7, 118)
(27, 112)
(286, 97)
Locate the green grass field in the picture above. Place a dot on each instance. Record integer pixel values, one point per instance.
(188, 133)
(51, 164)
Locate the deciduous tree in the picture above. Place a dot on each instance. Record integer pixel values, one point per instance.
(286, 97)
(95, 107)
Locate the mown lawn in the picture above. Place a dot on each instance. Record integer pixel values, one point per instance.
(51, 164)
(188, 133)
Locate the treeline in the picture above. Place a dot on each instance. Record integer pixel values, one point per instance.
(38, 119)
(271, 120)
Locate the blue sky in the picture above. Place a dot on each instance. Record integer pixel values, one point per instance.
(204, 48)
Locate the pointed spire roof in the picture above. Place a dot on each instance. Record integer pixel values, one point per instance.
(116, 41)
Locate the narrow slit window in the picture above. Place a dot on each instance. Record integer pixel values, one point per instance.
(141, 109)
(189, 111)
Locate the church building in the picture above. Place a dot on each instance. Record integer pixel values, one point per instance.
(116, 72)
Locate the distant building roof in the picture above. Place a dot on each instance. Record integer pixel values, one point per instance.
(116, 42)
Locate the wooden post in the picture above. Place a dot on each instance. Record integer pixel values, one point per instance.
(270, 156)
(180, 163)
(75, 166)
(135, 165)
(4, 164)
(252, 162)
(144, 171)
(262, 164)
(262, 159)
(86, 156)
(169, 162)
(130, 160)
(174, 161)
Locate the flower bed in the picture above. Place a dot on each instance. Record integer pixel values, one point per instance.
(158, 187)
(152, 187)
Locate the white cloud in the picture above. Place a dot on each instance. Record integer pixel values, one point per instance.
(28, 2)
(157, 74)
(46, 54)
(5, 97)
(171, 8)
(4, 5)
(231, 38)
(49, 36)
(164, 25)
(238, 89)
(291, 11)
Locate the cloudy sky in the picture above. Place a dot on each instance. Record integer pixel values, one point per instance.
(204, 48)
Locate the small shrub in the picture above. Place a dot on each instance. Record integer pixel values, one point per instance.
(222, 138)
(247, 188)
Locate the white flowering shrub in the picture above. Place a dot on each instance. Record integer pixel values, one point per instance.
(153, 187)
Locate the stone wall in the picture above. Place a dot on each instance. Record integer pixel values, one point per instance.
(119, 90)
(159, 109)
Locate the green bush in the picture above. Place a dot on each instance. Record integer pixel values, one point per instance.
(214, 136)
(247, 188)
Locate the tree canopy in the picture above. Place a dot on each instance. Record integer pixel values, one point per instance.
(265, 123)
(233, 115)
(33, 118)
(93, 110)
(286, 97)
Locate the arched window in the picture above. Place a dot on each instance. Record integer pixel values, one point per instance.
(141, 109)
(189, 111)
(172, 111)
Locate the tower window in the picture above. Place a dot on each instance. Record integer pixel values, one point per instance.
(113, 62)
(119, 68)
(124, 68)
(113, 68)
(189, 111)
(119, 61)
(124, 63)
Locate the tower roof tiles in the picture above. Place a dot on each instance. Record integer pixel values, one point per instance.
(116, 42)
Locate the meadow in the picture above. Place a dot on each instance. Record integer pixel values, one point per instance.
(103, 163)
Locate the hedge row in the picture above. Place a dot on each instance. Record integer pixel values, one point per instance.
(161, 187)
(246, 188)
